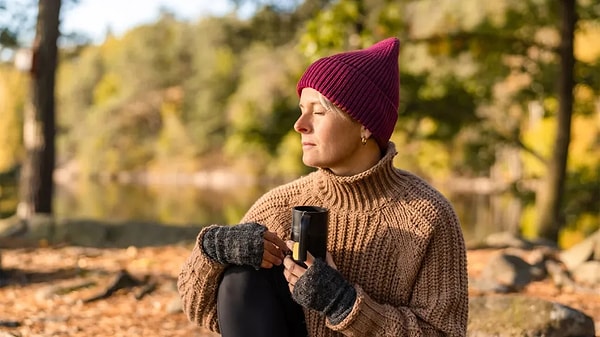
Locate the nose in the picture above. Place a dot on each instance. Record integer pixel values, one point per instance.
(302, 124)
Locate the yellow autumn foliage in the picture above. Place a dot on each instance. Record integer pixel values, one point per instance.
(13, 93)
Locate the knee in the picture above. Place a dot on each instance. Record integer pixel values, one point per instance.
(245, 282)
(237, 282)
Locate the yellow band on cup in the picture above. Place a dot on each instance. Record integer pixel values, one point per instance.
(296, 251)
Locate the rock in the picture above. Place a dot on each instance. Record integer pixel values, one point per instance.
(40, 227)
(560, 275)
(175, 306)
(505, 273)
(12, 227)
(588, 249)
(587, 273)
(516, 315)
(505, 240)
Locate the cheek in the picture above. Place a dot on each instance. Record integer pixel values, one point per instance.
(344, 131)
(332, 133)
(337, 130)
(342, 138)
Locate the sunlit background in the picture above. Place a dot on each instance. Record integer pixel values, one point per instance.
(181, 112)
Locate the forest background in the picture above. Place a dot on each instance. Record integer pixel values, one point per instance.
(211, 103)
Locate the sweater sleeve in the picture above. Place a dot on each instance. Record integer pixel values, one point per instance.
(439, 300)
(198, 284)
(200, 275)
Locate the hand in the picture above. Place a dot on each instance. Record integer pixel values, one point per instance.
(320, 287)
(292, 271)
(274, 250)
(244, 244)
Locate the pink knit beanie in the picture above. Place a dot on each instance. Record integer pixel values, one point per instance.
(364, 83)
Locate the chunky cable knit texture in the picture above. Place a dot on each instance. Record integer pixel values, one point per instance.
(241, 244)
(392, 236)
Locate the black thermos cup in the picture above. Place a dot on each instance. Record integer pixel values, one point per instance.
(309, 232)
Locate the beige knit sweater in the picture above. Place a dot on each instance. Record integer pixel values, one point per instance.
(393, 236)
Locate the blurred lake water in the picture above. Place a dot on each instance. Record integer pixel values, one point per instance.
(180, 205)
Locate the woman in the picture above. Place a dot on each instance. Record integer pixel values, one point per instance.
(396, 261)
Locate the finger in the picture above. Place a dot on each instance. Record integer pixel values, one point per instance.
(290, 244)
(271, 261)
(266, 264)
(286, 274)
(287, 271)
(293, 269)
(290, 265)
(292, 283)
(272, 254)
(276, 240)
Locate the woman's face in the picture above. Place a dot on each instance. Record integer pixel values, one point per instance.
(330, 139)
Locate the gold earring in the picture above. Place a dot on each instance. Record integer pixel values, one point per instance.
(363, 140)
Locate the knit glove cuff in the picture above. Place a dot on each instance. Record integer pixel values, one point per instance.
(240, 244)
(324, 289)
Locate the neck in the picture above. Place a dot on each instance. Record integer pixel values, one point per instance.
(366, 157)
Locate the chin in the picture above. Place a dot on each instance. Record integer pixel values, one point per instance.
(311, 162)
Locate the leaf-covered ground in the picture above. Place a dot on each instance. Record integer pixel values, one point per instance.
(57, 291)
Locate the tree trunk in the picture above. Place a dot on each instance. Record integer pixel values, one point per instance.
(549, 197)
(36, 185)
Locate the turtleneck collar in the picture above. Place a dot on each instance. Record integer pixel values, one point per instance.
(368, 190)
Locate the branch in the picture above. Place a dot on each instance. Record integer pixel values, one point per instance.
(522, 146)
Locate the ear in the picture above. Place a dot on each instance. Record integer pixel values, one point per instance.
(364, 132)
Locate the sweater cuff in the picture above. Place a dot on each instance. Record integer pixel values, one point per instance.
(363, 318)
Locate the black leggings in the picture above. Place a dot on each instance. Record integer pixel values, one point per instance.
(257, 303)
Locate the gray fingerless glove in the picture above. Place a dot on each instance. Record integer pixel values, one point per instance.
(324, 289)
(240, 244)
